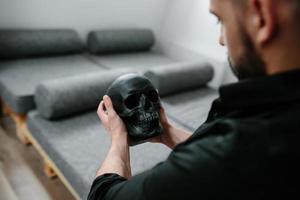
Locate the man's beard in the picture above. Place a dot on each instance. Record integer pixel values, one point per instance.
(250, 64)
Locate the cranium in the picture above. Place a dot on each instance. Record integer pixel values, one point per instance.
(137, 102)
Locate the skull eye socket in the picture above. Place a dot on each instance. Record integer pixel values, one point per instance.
(152, 95)
(132, 101)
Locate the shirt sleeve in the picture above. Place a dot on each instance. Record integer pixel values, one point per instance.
(206, 164)
(102, 183)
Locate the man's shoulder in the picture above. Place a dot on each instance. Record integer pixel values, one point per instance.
(233, 137)
(219, 144)
(224, 134)
(268, 121)
(225, 127)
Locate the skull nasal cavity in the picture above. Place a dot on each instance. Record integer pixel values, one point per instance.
(145, 103)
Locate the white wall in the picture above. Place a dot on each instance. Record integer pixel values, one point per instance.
(184, 28)
(190, 31)
(82, 15)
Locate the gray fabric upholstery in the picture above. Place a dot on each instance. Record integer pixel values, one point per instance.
(120, 40)
(32, 43)
(19, 78)
(79, 144)
(190, 109)
(140, 61)
(66, 96)
(179, 77)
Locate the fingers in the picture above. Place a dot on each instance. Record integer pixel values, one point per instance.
(109, 106)
(163, 115)
(102, 113)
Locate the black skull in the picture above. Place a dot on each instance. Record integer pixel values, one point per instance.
(137, 102)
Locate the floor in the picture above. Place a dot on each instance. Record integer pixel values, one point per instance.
(6, 192)
(22, 167)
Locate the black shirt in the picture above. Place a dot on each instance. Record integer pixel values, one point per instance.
(247, 149)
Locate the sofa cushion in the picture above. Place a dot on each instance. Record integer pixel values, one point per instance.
(120, 40)
(19, 78)
(66, 96)
(190, 109)
(140, 61)
(32, 43)
(179, 77)
(79, 144)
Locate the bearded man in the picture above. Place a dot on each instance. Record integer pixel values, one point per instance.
(247, 148)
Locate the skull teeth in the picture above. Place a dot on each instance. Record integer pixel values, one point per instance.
(147, 120)
(145, 126)
(147, 117)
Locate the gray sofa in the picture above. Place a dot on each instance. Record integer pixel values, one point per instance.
(123, 48)
(29, 57)
(76, 141)
(59, 88)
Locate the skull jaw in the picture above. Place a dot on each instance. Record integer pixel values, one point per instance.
(138, 135)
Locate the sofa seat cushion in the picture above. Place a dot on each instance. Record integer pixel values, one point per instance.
(139, 61)
(190, 108)
(79, 144)
(19, 78)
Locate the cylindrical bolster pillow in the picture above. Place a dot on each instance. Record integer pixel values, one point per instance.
(66, 96)
(120, 41)
(31, 43)
(179, 77)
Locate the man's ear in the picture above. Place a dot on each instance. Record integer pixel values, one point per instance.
(263, 19)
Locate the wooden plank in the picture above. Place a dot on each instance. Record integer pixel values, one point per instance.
(4, 108)
(6, 190)
(50, 166)
(26, 138)
(19, 120)
(24, 161)
(49, 171)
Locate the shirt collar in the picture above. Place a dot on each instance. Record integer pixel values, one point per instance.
(268, 90)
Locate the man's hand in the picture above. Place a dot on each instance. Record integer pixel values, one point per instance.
(162, 138)
(117, 160)
(110, 119)
(171, 136)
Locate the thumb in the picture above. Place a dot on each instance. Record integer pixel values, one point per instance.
(163, 115)
(108, 105)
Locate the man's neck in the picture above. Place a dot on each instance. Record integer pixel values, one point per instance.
(283, 57)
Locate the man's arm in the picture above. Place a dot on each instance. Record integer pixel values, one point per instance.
(117, 160)
(172, 136)
(195, 167)
(116, 169)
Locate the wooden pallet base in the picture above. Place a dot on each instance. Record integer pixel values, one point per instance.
(50, 169)
(48, 164)
(19, 120)
(26, 138)
(3, 108)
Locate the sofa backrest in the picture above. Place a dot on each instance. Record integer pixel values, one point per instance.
(120, 41)
(67, 96)
(174, 78)
(18, 43)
